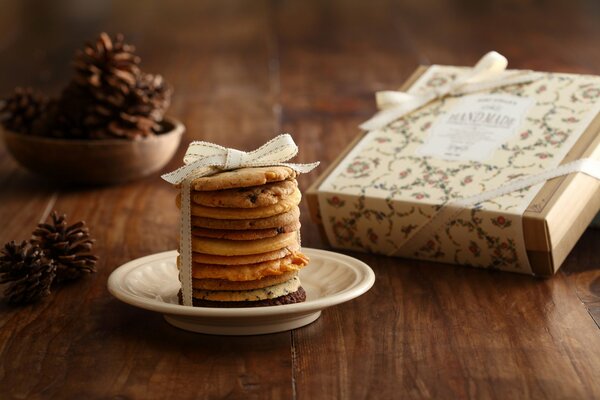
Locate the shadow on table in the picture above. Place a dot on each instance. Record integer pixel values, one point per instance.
(151, 329)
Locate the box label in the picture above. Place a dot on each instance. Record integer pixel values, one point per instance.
(476, 127)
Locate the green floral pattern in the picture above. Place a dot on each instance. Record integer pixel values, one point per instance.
(383, 192)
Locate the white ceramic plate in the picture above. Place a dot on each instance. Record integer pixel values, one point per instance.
(151, 283)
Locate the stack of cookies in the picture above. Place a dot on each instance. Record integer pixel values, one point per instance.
(245, 238)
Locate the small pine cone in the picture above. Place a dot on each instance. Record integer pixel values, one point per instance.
(26, 272)
(106, 72)
(68, 246)
(20, 111)
(144, 110)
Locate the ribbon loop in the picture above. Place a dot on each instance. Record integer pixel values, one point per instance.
(491, 64)
(489, 72)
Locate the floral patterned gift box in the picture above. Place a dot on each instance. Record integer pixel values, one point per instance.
(401, 189)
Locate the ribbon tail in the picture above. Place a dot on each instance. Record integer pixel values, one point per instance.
(391, 98)
(389, 115)
(185, 245)
(177, 177)
(591, 167)
(302, 168)
(510, 78)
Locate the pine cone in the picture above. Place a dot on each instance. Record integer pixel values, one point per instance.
(20, 111)
(145, 108)
(109, 96)
(67, 114)
(27, 273)
(68, 246)
(107, 64)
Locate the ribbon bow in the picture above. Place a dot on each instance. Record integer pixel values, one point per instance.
(202, 158)
(489, 72)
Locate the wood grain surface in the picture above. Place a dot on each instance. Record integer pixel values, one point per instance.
(244, 71)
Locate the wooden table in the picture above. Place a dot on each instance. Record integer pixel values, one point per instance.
(244, 71)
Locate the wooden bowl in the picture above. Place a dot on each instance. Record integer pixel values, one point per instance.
(95, 161)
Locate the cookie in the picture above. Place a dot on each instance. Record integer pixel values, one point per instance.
(211, 259)
(251, 197)
(281, 207)
(297, 297)
(222, 284)
(243, 177)
(275, 221)
(250, 272)
(269, 292)
(251, 234)
(222, 247)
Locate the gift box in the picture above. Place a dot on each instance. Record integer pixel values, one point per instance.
(479, 166)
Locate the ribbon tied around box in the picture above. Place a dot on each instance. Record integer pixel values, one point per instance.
(204, 159)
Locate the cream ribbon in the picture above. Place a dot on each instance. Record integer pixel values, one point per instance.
(489, 72)
(452, 208)
(203, 159)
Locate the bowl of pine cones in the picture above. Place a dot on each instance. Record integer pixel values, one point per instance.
(108, 125)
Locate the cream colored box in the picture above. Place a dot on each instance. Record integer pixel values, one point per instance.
(386, 184)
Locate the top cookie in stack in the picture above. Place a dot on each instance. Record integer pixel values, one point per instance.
(245, 238)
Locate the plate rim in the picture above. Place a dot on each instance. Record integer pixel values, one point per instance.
(356, 289)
